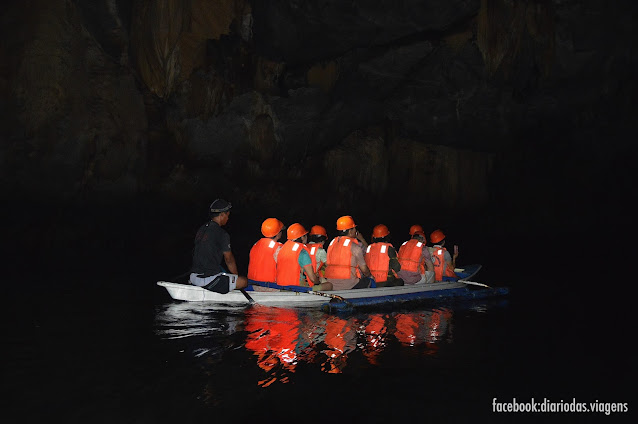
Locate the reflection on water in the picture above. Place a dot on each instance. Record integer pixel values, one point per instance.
(182, 320)
(274, 337)
(280, 339)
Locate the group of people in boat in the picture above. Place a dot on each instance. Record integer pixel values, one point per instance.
(348, 262)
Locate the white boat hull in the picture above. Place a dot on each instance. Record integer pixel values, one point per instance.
(190, 293)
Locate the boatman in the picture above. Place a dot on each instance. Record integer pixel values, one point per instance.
(444, 263)
(415, 259)
(345, 265)
(212, 243)
(294, 267)
(381, 258)
(261, 264)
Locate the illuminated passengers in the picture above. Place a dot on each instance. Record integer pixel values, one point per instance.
(345, 265)
(415, 259)
(381, 258)
(294, 266)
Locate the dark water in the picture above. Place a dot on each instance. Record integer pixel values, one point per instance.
(110, 346)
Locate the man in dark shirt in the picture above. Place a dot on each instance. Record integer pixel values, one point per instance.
(212, 243)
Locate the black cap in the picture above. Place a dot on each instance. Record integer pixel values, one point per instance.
(220, 205)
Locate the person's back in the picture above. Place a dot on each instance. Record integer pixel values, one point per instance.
(289, 268)
(294, 266)
(211, 241)
(212, 244)
(444, 263)
(415, 260)
(262, 265)
(345, 264)
(381, 258)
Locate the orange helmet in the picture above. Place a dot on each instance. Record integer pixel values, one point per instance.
(318, 230)
(345, 223)
(416, 229)
(437, 236)
(271, 227)
(380, 231)
(295, 231)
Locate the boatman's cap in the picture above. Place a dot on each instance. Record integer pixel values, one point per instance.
(220, 205)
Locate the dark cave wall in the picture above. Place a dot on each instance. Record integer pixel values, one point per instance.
(448, 106)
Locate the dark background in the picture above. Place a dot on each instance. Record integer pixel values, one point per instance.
(509, 125)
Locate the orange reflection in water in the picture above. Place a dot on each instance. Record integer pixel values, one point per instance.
(428, 328)
(340, 339)
(375, 333)
(281, 338)
(273, 337)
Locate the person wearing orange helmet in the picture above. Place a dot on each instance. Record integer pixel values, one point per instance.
(415, 259)
(316, 243)
(261, 265)
(212, 244)
(381, 258)
(294, 266)
(444, 263)
(345, 264)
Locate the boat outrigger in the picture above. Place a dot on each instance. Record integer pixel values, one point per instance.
(340, 299)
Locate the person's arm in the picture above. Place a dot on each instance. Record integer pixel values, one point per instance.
(429, 265)
(394, 261)
(229, 258)
(456, 255)
(360, 261)
(450, 261)
(363, 241)
(310, 273)
(305, 263)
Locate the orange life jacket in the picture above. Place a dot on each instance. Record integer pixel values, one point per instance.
(312, 249)
(378, 260)
(288, 269)
(440, 268)
(410, 256)
(262, 265)
(339, 258)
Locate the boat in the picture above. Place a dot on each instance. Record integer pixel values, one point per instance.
(339, 300)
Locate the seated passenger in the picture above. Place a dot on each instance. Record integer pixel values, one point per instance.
(415, 259)
(381, 258)
(294, 266)
(316, 248)
(261, 265)
(444, 263)
(345, 265)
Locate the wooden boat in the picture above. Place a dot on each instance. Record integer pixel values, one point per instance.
(342, 299)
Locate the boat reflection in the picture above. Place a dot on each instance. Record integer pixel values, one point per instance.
(273, 336)
(340, 340)
(181, 320)
(422, 328)
(374, 333)
(280, 339)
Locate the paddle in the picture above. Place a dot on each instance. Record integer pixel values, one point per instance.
(297, 290)
(245, 293)
(474, 283)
